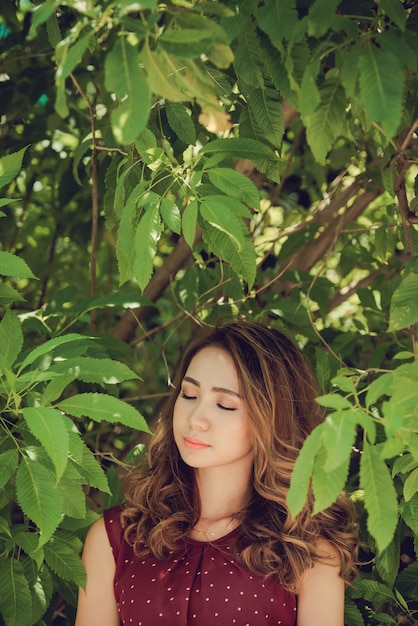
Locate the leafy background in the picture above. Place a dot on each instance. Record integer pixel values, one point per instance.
(164, 165)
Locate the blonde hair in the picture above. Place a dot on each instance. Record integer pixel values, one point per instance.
(279, 390)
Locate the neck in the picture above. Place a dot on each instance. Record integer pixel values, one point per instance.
(222, 493)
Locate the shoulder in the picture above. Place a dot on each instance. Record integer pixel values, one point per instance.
(320, 590)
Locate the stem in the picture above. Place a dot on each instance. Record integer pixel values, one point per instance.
(94, 202)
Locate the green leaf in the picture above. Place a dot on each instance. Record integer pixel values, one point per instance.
(8, 464)
(189, 222)
(381, 87)
(125, 77)
(11, 338)
(278, 18)
(339, 436)
(299, 484)
(266, 107)
(10, 166)
(74, 499)
(327, 483)
(50, 345)
(91, 370)
(213, 211)
(48, 426)
(8, 295)
(248, 60)
(404, 304)
(101, 407)
(15, 596)
(334, 401)
(409, 512)
(64, 561)
(352, 615)
(379, 496)
(328, 121)
(159, 74)
(243, 263)
(171, 215)
(395, 11)
(382, 386)
(87, 466)
(125, 251)
(321, 16)
(12, 265)
(240, 147)
(147, 235)
(410, 488)
(181, 122)
(235, 184)
(70, 56)
(39, 496)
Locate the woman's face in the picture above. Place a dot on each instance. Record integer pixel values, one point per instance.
(210, 420)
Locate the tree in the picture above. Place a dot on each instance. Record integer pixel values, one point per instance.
(165, 164)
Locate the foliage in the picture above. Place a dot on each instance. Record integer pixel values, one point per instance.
(168, 164)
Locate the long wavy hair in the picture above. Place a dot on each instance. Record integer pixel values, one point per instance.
(279, 390)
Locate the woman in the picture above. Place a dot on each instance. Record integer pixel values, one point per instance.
(205, 536)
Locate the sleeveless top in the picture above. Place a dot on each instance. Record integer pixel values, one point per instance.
(200, 585)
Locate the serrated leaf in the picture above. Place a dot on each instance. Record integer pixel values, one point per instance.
(11, 338)
(91, 370)
(327, 483)
(321, 16)
(147, 235)
(235, 184)
(302, 471)
(125, 77)
(50, 345)
(381, 87)
(171, 215)
(395, 11)
(159, 74)
(10, 166)
(409, 512)
(379, 496)
(70, 56)
(38, 496)
(12, 265)
(248, 61)
(338, 438)
(189, 222)
(64, 561)
(404, 304)
(266, 107)
(328, 121)
(8, 464)
(90, 470)
(213, 211)
(48, 426)
(372, 590)
(103, 408)
(380, 387)
(15, 596)
(241, 147)
(352, 615)
(334, 401)
(74, 499)
(410, 488)
(243, 263)
(278, 18)
(8, 295)
(181, 122)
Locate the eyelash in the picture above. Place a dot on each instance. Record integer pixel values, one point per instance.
(224, 408)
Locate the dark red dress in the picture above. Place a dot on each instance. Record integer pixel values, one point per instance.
(201, 585)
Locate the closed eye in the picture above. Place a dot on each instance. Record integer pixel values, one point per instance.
(227, 408)
(186, 397)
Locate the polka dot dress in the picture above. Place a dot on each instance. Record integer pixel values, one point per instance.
(201, 585)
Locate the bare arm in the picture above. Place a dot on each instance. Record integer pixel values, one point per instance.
(97, 605)
(321, 593)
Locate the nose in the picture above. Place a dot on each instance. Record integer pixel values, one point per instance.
(198, 419)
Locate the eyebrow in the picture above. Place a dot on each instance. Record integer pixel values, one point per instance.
(218, 389)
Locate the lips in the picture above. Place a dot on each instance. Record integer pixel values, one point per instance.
(195, 444)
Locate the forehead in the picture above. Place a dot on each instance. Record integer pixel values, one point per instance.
(213, 363)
